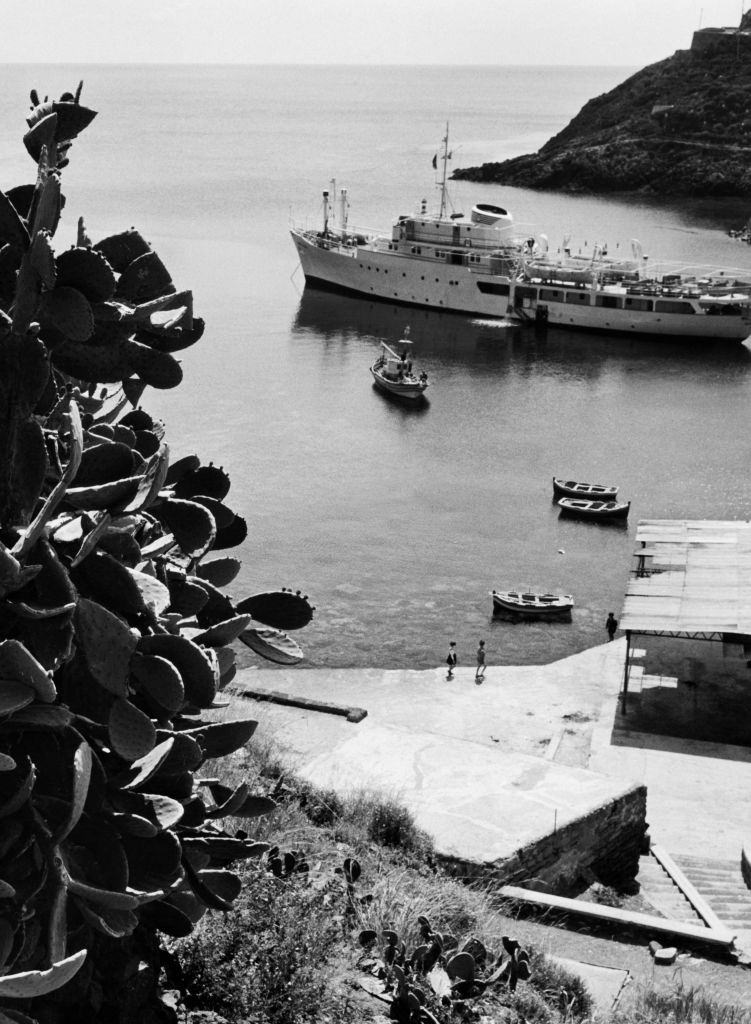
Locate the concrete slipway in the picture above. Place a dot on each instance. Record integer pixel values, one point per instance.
(485, 769)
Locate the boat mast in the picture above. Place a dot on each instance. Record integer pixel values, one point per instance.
(443, 181)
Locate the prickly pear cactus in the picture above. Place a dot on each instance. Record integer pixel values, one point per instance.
(115, 633)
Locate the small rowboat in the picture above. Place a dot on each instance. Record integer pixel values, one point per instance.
(595, 509)
(572, 489)
(521, 605)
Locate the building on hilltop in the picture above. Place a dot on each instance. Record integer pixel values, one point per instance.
(729, 39)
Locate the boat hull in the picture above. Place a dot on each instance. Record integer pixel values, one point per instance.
(573, 489)
(613, 511)
(399, 389)
(504, 604)
(416, 280)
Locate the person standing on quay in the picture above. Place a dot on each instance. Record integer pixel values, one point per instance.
(480, 671)
(451, 660)
(611, 624)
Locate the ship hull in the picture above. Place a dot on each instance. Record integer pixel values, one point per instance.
(414, 281)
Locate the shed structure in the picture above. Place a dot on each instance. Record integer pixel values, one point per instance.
(692, 579)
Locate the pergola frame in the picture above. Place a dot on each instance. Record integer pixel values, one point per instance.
(692, 581)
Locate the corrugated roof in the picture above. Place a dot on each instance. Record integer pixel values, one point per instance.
(697, 578)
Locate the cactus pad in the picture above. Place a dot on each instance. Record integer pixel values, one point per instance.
(223, 516)
(175, 339)
(222, 633)
(43, 259)
(12, 228)
(131, 732)
(104, 462)
(281, 609)
(113, 495)
(210, 481)
(186, 597)
(231, 535)
(222, 738)
(22, 196)
(107, 644)
(88, 271)
(137, 419)
(121, 249)
(17, 665)
(29, 984)
(144, 279)
(13, 697)
(191, 524)
(158, 679)
(69, 311)
(189, 660)
(219, 571)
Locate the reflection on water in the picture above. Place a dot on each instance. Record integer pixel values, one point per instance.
(431, 507)
(330, 315)
(404, 406)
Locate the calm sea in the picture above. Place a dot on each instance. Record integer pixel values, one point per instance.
(399, 522)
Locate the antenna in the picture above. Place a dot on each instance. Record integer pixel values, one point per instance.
(443, 181)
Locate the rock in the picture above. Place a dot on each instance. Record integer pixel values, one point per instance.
(678, 127)
(654, 947)
(666, 955)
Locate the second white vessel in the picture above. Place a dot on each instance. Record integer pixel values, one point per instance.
(477, 265)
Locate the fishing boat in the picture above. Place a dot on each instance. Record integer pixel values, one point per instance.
(574, 489)
(393, 374)
(603, 510)
(479, 265)
(526, 605)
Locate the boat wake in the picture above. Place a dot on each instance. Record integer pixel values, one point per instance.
(495, 323)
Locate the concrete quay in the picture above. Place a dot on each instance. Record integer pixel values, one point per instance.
(487, 769)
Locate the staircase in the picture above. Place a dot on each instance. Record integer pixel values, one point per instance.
(658, 888)
(719, 882)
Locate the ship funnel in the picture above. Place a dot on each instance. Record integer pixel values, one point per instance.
(485, 213)
(544, 243)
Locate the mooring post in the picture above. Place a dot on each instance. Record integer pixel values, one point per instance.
(625, 672)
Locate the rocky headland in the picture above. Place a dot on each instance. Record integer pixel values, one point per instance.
(681, 126)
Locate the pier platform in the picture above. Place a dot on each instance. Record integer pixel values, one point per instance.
(489, 769)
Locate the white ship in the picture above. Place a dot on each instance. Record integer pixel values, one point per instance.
(476, 265)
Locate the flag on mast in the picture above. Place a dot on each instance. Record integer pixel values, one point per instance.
(435, 162)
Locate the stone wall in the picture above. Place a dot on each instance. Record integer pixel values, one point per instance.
(606, 843)
(721, 40)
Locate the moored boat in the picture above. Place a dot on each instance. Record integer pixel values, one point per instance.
(393, 374)
(528, 605)
(479, 265)
(574, 489)
(603, 510)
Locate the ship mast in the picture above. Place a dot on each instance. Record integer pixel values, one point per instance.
(443, 181)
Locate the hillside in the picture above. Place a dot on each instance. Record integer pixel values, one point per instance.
(681, 126)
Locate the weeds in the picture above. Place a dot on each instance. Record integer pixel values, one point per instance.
(266, 960)
(287, 953)
(687, 1004)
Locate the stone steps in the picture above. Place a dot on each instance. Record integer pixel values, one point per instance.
(658, 888)
(721, 884)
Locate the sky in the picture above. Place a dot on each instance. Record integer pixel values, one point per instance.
(598, 32)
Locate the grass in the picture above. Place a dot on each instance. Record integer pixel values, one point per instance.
(288, 951)
(683, 1005)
